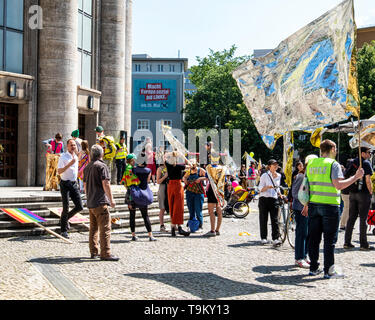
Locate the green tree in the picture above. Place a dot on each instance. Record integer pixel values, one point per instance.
(366, 79)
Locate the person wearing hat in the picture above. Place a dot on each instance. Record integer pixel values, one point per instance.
(75, 137)
(360, 195)
(144, 175)
(99, 133)
(269, 192)
(121, 153)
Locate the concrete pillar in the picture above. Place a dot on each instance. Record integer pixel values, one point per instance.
(112, 51)
(58, 67)
(128, 66)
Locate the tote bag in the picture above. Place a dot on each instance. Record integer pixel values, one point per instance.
(304, 192)
(142, 198)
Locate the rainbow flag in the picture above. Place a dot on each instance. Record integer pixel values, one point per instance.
(22, 215)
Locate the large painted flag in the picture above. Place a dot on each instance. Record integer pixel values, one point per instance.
(23, 215)
(309, 81)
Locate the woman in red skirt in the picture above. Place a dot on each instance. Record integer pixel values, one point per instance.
(176, 193)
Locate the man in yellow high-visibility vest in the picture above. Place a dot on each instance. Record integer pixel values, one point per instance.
(325, 179)
(121, 153)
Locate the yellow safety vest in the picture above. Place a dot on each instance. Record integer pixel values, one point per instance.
(322, 190)
(121, 152)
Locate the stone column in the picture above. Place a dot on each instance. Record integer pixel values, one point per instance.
(128, 66)
(112, 51)
(57, 83)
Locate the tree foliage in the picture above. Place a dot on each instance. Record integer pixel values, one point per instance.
(366, 79)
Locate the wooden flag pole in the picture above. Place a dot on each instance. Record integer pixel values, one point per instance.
(359, 141)
(53, 233)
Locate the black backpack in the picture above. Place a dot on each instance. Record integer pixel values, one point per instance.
(349, 172)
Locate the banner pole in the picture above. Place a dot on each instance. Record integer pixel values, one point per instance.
(52, 232)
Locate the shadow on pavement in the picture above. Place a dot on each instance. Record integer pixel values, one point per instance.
(204, 285)
(297, 280)
(34, 238)
(62, 260)
(245, 244)
(368, 265)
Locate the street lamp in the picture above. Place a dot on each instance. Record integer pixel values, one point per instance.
(218, 127)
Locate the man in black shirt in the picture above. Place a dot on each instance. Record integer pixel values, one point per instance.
(360, 201)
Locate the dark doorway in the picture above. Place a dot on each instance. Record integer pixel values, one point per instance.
(81, 126)
(8, 141)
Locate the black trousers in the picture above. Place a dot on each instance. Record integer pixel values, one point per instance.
(146, 219)
(69, 188)
(120, 164)
(360, 203)
(267, 206)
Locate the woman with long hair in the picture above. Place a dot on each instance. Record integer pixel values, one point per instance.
(84, 159)
(176, 193)
(162, 181)
(193, 179)
(301, 245)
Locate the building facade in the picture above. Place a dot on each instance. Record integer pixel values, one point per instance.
(158, 97)
(62, 67)
(365, 35)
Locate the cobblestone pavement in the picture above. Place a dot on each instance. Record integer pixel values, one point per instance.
(228, 266)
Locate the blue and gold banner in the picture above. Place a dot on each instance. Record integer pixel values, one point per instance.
(307, 82)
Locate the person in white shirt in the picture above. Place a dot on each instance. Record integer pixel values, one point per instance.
(68, 171)
(268, 198)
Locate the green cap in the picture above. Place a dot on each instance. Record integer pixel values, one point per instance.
(131, 156)
(99, 129)
(75, 133)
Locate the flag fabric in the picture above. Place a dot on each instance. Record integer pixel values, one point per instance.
(76, 219)
(316, 137)
(288, 157)
(176, 145)
(309, 81)
(23, 215)
(367, 136)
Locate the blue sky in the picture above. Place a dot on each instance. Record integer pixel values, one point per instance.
(162, 27)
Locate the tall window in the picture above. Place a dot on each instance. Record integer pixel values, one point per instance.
(85, 41)
(160, 68)
(11, 35)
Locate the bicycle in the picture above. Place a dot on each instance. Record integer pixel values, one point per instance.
(287, 222)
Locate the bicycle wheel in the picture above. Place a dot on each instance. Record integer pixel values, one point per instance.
(282, 224)
(241, 209)
(291, 228)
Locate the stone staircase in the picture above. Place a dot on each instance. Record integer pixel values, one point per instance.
(39, 205)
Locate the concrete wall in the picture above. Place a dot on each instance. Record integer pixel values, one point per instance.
(128, 67)
(112, 49)
(57, 83)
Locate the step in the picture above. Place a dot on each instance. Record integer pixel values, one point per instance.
(54, 220)
(30, 231)
(45, 213)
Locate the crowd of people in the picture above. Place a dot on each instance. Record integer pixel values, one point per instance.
(326, 212)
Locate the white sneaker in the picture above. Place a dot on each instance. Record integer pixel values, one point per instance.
(264, 241)
(334, 273)
(276, 242)
(302, 264)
